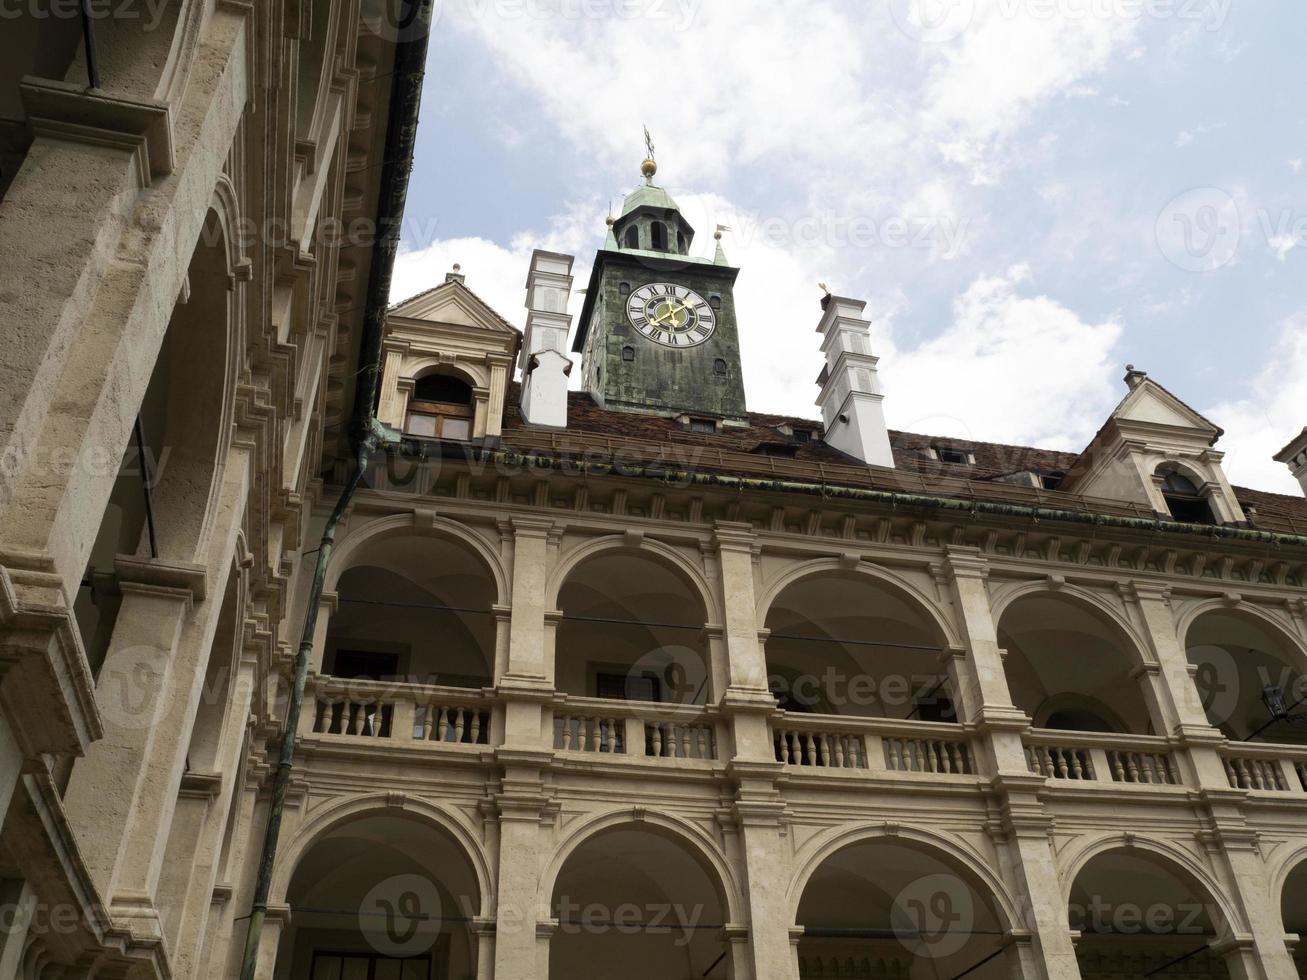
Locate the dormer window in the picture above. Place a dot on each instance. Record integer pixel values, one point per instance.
(1183, 498)
(706, 426)
(955, 457)
(440, 408)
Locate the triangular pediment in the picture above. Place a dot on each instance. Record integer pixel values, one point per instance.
(452, 303)
(1151, 404)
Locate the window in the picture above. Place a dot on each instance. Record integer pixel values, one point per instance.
(624, 289)
(628, 687)
(632, 237)
(706, 426)
(715, 301)
(957, 457)
(366, 966)
(365, 664)
(1184, 500)
(719, 367)
(802, 435)
(628, 353)
(658, 236)
(441, 408)
(680, 242)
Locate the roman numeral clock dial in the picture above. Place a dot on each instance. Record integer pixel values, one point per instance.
(671, 315)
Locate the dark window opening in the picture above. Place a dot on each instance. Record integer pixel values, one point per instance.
(957, 457)
(1050, 481)
(1184, 500)
(658, 236)
(803, 435)
(936, 707)
(628, 687)
(775, 449)
(624, 289)
(632, 237)
(365, 664)
(366, 966)
(1077, 720)
(715, 301)
(707, 426)
(719, 367)
(680, 242)
(628, 353)
(442, 388)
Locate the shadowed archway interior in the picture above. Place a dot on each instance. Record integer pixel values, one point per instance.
(1139, 915)
(382, 897)
(1069, 667)
(638, 904)
(845, 644)
(894, 909)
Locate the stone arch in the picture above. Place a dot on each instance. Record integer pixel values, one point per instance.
(646, 547)
(1236, 650)
(684, 833)
(882, 575)
(842, 638)
(1086, 598)
(1073, 660)
(476, 375)
(1247, 610)
(1170, 855)
(342, 812)
(951, 850)
(314, 66)
(405, 525)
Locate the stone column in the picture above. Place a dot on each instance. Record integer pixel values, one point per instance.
(766, 878)
(121, 796)
(748, 702)
(1025, 848)
(518, 915)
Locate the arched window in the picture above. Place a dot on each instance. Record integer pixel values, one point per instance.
(658, 236)
(441, 408)
(1184, 500)
(680, 242)
(719, 367)
(628, 353)
(632, 237)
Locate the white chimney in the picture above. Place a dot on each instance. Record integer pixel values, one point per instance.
(544, 365)
(1294, 456)
(850, 398)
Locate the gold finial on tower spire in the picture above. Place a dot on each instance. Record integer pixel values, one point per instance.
(649, 166)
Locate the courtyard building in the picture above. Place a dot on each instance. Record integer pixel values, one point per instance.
(347, 640)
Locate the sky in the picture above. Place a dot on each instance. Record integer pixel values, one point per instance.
(1028, 194)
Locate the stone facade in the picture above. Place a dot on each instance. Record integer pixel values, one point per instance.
(619, 699)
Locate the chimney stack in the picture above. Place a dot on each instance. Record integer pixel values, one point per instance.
(544, 365)
(1294, 456)
(850, 398)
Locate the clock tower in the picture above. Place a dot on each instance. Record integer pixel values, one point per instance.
(657, 329)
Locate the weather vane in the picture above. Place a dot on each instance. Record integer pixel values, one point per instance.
(648, 168)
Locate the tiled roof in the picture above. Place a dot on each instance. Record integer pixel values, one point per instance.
(760, 448)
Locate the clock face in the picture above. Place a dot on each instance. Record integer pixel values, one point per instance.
(671, 315)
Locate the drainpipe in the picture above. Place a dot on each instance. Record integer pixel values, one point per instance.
(367, 435)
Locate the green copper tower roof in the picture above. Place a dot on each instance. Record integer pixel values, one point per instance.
(648, 196)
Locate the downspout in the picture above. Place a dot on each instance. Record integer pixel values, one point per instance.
(367, 435)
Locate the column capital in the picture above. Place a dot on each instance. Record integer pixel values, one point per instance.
(965, 562)
(1144, 591)
(734, 536)
(157, 574)
(74, 114)
(531, 527)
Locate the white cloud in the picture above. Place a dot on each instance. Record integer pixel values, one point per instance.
(1258, 426)
(1011, 368)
